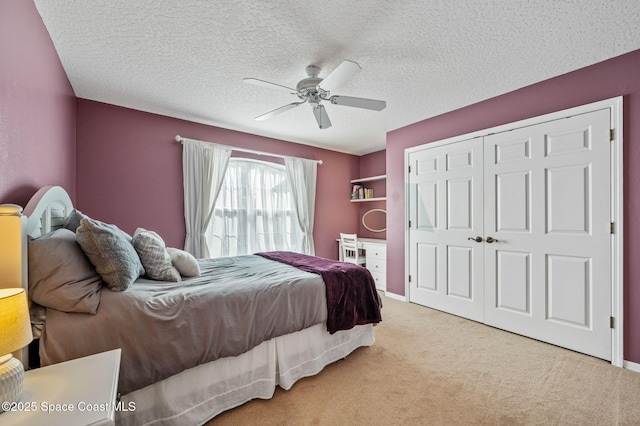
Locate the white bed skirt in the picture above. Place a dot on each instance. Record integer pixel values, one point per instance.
(197, 395)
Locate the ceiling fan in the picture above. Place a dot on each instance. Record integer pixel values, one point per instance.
(314, 90)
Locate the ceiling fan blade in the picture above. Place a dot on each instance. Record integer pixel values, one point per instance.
(337, 77)
(358, 102)
(278, 111)
(268, 85)
(321, 117)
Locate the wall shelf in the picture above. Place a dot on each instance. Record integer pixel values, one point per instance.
(361, 200)
(369, 179)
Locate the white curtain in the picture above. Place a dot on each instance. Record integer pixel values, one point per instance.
(203, 167)
(302, 176)
(254, 211)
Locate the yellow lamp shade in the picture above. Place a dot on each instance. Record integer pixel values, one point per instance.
(12, 246)
(15, 325)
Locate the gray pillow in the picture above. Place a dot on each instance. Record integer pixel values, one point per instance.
(109, 249)
(154, 256)
(184, 262)
(60, 275)
(73, 221)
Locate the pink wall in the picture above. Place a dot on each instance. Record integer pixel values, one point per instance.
(373, 164)
(129, 172)
(615, 77)
(37, 108)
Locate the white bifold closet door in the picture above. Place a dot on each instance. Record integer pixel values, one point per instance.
(513, 230)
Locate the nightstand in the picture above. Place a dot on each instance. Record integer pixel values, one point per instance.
(78, 392)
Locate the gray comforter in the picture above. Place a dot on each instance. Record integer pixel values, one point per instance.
(164, 328)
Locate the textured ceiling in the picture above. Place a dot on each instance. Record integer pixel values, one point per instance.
(187, 58)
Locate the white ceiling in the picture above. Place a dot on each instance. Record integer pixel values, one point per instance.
(187, 58)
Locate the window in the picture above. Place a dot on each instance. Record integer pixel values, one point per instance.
(254, 211)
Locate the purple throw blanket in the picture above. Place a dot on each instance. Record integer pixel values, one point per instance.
(352, 298)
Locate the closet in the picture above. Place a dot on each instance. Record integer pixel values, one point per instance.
(515, 228)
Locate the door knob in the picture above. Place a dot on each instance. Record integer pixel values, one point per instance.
(476, 239)
(491, 240)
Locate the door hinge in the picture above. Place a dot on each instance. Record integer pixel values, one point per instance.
(612, 134)
(409, 278)
(409, 224)
(612, 227)
(409, 168)
(611, 322)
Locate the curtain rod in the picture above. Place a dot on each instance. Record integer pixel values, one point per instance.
(250, 151)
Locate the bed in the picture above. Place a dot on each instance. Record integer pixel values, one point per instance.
(288, 327)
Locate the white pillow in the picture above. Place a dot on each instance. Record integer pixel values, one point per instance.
(184, 262)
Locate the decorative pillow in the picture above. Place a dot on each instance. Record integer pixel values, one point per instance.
(109, 249)
(154, 256)
(73, 221)
(184, 262)
(37, 315)
(60, 275)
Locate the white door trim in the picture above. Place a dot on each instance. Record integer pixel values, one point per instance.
(617, 237)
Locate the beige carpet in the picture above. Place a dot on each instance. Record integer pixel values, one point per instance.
(431, 368)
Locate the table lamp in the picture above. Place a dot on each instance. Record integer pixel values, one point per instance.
(15, 333)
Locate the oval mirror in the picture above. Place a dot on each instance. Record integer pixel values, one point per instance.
(375, 220)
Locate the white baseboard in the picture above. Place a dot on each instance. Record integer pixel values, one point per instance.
(395, 296)
(631, 366)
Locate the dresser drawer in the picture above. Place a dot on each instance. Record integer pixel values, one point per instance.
(376, 265)
(376, 252)
(381, 280)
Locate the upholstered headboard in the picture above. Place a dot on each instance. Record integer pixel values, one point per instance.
(47, 210)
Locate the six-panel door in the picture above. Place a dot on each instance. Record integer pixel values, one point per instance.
(547, 203)
(445, 212)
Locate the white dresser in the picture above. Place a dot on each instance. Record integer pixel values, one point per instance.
(376, 254)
